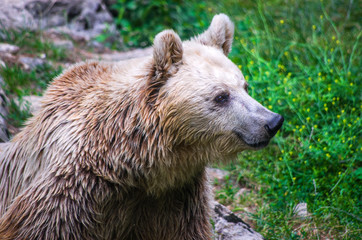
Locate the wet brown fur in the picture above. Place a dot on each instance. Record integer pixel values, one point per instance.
(108, 160)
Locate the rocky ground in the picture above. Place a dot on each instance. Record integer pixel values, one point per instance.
(72, 25)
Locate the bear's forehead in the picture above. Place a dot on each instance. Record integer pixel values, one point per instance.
(213, 65)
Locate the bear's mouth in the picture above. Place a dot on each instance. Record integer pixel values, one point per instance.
(256, 145)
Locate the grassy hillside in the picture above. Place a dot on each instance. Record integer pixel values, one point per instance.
(302, 60)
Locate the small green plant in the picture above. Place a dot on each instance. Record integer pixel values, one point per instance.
(226, 195)
(139, 21)
(19, 83)
(17, 115)
(32, 42)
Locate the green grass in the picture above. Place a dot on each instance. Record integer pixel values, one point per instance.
(33, 43)
(302, 60)
(20, 83)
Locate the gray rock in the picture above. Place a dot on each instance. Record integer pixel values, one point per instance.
(241, 193)
(2, 63)
(83, 19)
(66, 44)
(229, 226)
(301, 210)
(3, 146)
(119, 56)
(4, 134)
(30, 103)
(31, 63)
(8, 48)
(215, 173)
(14, 15)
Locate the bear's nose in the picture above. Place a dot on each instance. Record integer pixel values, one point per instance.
(274, 125)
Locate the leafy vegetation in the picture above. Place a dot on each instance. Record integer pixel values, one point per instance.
(302, 60)
(32, 42)
(139, 21)
(20, 82)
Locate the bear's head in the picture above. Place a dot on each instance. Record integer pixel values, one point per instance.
(202, 97)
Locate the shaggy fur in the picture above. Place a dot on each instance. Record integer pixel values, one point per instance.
(118, 151)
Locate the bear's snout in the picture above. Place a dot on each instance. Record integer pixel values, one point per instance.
(274, 125)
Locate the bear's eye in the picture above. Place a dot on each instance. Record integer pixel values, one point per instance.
(222, 98)
(246, 87)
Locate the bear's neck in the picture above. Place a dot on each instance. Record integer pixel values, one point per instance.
(144, 152)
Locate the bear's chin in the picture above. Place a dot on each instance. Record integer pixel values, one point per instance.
(254, 145)
(258, 145)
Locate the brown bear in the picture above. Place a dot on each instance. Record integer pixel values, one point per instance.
(119, 150)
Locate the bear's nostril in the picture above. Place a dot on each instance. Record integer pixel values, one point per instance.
(274, 125)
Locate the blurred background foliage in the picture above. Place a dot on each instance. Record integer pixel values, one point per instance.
(302, 60)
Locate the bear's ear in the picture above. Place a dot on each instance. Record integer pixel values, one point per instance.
(220, 33)
(167, 57)
(167, 51)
